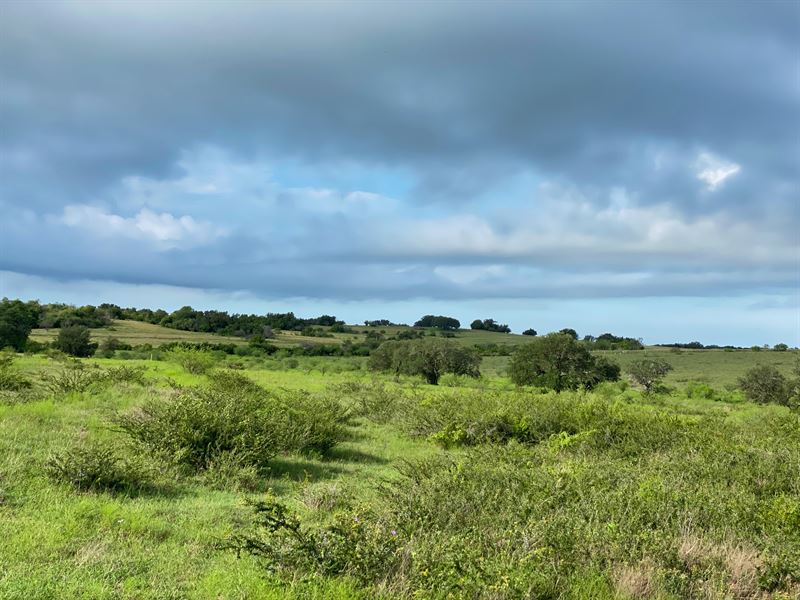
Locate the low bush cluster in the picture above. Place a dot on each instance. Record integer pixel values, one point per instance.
(374, 401)
(558, 420)
(75, 376)
(234, 417)
(192, 360)
(99, 468)
(11, 380)
(712, 515)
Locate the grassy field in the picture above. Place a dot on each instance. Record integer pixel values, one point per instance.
(471, 489)
(138, 332)
(716, 367)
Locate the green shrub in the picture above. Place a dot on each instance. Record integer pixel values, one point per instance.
(557, 361)
(74, 376)
(516, 523)
(700, 391)
(430, 358)
(111, 345)
(229, 472)
(477, 418)
(373, 400)
(75, 340)
(649, 372)
(193, 361)
(358, 546)
(124, 374)
(17, 319)
(234, 416)
(10, 379)
(97, 467)
(764, 384)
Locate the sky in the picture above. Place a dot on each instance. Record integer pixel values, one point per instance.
(624, 167)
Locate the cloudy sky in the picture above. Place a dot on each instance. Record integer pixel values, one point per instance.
(631, 167)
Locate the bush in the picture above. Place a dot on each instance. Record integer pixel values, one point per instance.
(704, 517)
(649, 372)
(235, 417)
(373, 400)
(97, 467)
(557, 361)
(10, 379)
(764, 384)
(427, 357)
(193, 361)
(124, 375)
(110, 345)
(478, 418)
(75, 340)
(17, 319)
(358, 546)
(73, 377)
(700, 391)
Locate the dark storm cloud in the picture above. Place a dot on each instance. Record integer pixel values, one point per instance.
(94, 91)
(591, 97)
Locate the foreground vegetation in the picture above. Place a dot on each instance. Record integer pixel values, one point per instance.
(322, 479)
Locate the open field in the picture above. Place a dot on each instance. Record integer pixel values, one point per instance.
(719, 368)
(610, 494)
(138, 332)
(716, 367)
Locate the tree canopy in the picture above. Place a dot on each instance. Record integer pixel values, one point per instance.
(489, 325)
(17, 319)
(559, 362)
(429, 357)
(438, 322)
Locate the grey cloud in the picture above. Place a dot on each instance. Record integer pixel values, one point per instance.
(571, 90)
(464, 97)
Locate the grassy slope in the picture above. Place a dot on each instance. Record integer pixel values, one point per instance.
(136, 332)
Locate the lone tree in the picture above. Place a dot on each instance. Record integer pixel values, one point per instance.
(429, 357)
(75, 340)
(559, 362)
(531, 332)
(648, 372)
(17, 319)
(764, 384)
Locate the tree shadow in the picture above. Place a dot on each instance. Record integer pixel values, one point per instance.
(356, 456)
(333, 464)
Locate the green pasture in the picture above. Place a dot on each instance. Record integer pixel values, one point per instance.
(607, 494)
